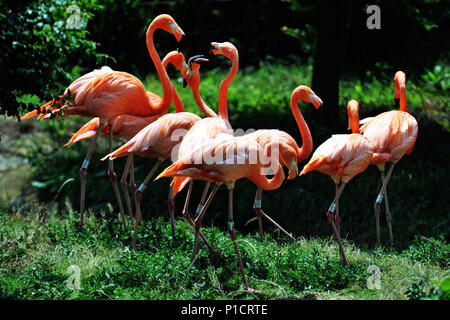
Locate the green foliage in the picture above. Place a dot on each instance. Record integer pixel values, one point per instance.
(441, 290)
(429, 250)
(37, 250)
(39, 50)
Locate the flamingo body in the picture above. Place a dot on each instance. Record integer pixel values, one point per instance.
(393, 134)
(341, 157)
(156, 140)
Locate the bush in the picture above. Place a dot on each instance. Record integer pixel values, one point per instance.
(41, 43)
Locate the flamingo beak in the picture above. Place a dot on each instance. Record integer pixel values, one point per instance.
(184, 83)
(316, 101)
(177, 31)
(215, 49)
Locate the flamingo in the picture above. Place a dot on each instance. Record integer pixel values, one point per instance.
(225, 159)
(157, 140)
(107, 94)
(341, 157)
(393, 134)
(127, 126)
(290, 153)
(207, 128)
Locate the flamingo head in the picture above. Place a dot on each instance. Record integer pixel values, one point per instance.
(400, 80)
(306, 94)
(353, 115)
(168, 24)
(193, 67)
(177, 59)
(226, 49)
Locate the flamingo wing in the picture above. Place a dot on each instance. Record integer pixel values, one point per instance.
(159, 137)
(342, 157)
(392, 133)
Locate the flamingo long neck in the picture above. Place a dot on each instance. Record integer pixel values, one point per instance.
(223, 90)
(353, 120)
(306, 149)
(166, 100)
(207, 111)
(179, 107)
(403, 104)
(269, 184)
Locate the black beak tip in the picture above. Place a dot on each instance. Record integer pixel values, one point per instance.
(184, 83)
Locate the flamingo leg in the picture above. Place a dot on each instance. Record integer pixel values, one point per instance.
(377, 205)
(232, 233)
(113, 178)
(203, 198)
(198, 220)
(337, 218)
(83, 171)
(132, 183)
(139, 192)
(171, 205)
(189, 219)
(124, 185)
(330, 217)
(388, 213)
(260, 214)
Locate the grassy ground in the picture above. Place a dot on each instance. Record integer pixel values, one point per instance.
(42, 253)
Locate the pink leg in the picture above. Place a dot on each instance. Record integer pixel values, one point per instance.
(171, 205)
(113, 178)
(189, 219)
(388, 213)
(203, 198)
(132, 184)
(330, 217)
(198, 220)
(124, 185)
(139, 192)
(83, 172)
(337, 218)
(232, 233)
(378, 203)
(260, 213)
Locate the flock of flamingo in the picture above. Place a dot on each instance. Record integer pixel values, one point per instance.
(121, 107)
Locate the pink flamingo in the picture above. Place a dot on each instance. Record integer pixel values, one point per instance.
(207, 128)
(342, 157)
(157, 140)
(289, 152)
(127, 126)
(393, 134)
(225, 159)
(107, 94)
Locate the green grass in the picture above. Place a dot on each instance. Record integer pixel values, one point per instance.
(37, 250)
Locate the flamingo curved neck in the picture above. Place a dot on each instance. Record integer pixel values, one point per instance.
(166, 100)
(179, 107)
(223, 90)
(269, 184)
(403, 104)
(207, 111)
(353, 120)
(306, 149)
